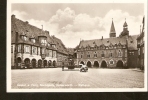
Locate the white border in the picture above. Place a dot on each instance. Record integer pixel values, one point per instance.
(8, 83)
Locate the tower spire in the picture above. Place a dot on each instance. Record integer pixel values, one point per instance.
(112, 30)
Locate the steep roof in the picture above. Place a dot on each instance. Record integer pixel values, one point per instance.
(105, 42)
(125, 24)
(59, 45)
(70, 51)
(22, 27)
(111, 41)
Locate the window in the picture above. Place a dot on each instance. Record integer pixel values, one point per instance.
(88, 55)
(95, 54)
(43, 42)
(43, 51)
(50, 53)
(34, 50)
(27, 49)
(54, 53)
(111, 54)
(111, 62)
(102, 55)
(33, 40)
(19, 48)
(12, 49)
(132, 53)
(139, 51)
(54, 46)
(81, 56)
(48, 45)
(119, 53)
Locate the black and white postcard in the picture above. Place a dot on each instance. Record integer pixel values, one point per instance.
(76, 46)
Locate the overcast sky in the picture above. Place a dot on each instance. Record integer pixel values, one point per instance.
(75, 21)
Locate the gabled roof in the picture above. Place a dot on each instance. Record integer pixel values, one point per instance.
(112, 41)
(105, 42)
(22, 27)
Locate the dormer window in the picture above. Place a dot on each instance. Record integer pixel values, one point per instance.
(23, 36)
(43, 41)
(48, 45)
(131, 41)
(32, 39)
(107, 41)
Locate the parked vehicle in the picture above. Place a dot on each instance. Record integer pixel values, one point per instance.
(83, 68)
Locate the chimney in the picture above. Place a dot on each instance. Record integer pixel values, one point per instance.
(47, 32)
(27, 22)
(13, 16)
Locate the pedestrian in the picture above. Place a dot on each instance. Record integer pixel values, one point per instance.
(63, 66)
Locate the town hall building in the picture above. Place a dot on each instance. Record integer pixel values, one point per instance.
(112, 52)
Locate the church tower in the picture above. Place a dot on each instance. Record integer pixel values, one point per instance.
(112, 30)
(125, 29)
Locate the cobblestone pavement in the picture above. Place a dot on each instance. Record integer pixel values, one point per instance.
(94, 78)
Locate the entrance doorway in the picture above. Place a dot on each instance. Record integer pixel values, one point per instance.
(104, 64)
(89, 64)
(96, 64)
(34, 63)
(82, 62)
(27, 62)
(49, 63)
(54, 63)
(119, 64)
(40, 63)
(19, 62)
(45, 63)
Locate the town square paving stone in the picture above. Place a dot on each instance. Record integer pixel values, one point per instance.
(94, 78)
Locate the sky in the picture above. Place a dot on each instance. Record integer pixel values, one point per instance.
(72, 22)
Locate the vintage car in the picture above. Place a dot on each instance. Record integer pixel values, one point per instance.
(83, 68)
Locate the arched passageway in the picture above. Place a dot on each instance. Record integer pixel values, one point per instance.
(49, 63)
(40, 63)
(96, 64)
(19, 60)
(82, 62)
(54, 63)
(103, 64)
(89, 64)
(33, 63)
(45, 63)
(27, 62)
(119, 64)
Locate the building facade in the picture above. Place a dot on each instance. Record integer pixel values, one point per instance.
(31, 47)
(112, 52)
(140, 45)
(62, 53)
